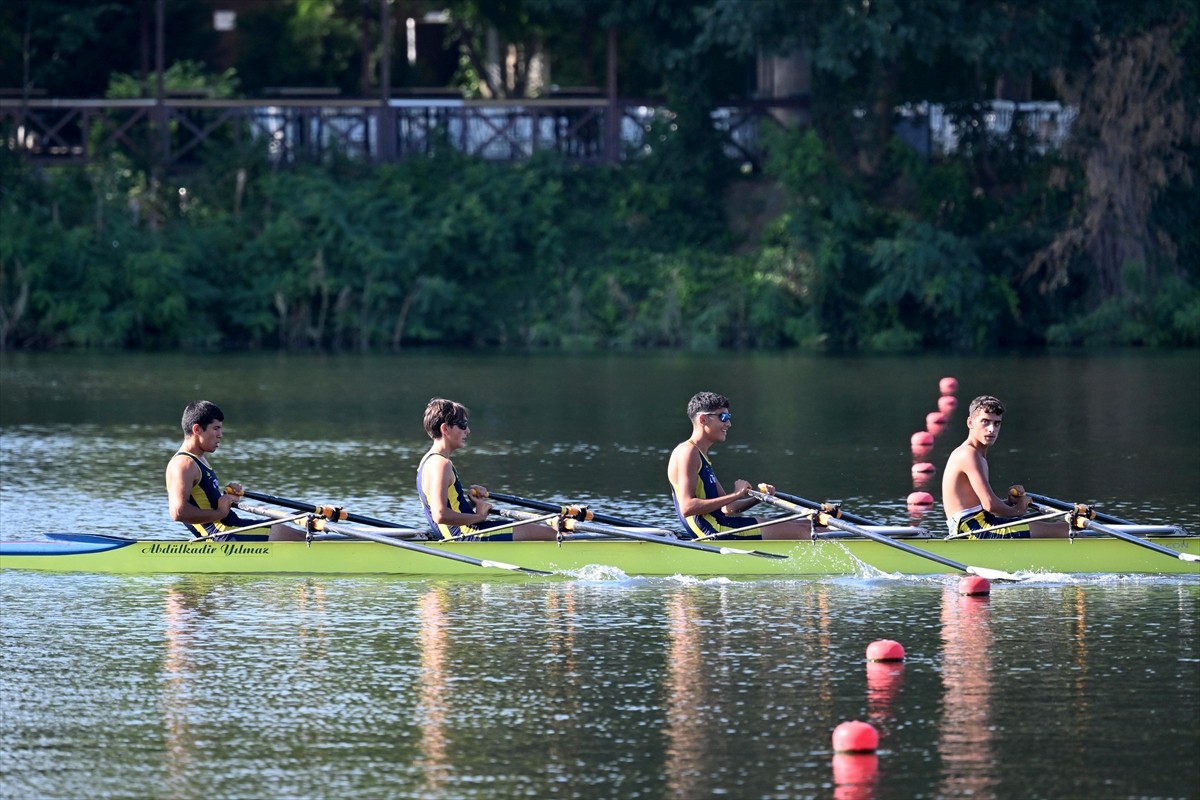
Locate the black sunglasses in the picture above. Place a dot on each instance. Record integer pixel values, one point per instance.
(724, 416)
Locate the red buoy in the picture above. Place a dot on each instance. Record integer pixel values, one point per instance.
(924, 468)
(974, 585)
(936, 428)
(947, 403)
(885, 650)
(857, 770)
(923, 438)
(934, 418)
(855, 737)
(920, 499)
(948, 385)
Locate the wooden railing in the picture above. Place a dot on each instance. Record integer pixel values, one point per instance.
(177, 132)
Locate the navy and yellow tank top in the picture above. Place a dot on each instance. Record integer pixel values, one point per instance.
(205, 494)
(459, 500)
(717, 522)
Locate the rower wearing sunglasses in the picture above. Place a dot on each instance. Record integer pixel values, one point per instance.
(703, 506)
(453, 511)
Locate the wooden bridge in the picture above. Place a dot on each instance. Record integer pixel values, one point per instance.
(178, 132)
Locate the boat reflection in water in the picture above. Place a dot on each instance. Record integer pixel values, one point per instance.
(965, 732)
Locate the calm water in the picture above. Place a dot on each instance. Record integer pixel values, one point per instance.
(592, 685)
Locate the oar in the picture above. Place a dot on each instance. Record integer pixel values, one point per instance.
(846, 515)
(1063, 505)
(1081, 516)
(322, 523)
(533, 520)
(766, 523)
(583, 526)
(827, 520)
(542, 505)
(1052, 513)
(312, 508)
(254, 526)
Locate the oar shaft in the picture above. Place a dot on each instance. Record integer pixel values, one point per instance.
(542, 505)
(625, 533)
(371, 536)
(1063, 505)
(312, 508)
(846, 515)
(766, 523)
(1133, 539)
(827, 520)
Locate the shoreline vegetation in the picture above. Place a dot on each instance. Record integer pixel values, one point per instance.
(843, 239)
(661, 252)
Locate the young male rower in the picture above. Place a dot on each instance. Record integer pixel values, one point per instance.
(972, 508)
(703, 506)
(194, 494)
(452, 511)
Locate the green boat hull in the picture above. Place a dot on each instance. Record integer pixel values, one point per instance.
(1084, 555)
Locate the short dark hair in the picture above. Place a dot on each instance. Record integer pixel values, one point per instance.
(440, 410)
(706, 403)
(986, 403)
(202, 413)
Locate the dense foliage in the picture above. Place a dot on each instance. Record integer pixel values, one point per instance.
(848, 239)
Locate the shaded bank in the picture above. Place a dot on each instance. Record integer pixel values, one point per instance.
(665, 252)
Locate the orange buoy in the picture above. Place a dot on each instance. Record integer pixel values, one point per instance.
(923, 438)
(920, 499)
(948, 385)
(923, 468)
(974, 585)
(885, 650)
(855, 737)
(947, 403)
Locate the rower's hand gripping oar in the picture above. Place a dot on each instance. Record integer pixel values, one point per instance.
(829, 517)
(315, 522)
(579, 519)
(1082, 516)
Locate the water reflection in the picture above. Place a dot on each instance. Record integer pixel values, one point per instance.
(855, 775)
(965, 739)
(686, 731)
(433, 695)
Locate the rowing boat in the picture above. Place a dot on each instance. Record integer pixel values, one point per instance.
(1085, 554)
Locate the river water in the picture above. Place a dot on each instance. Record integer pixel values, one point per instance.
(594, 685)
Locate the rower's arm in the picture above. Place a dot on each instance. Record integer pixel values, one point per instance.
(976, 471)
(682, 470)
(437, 478)
(182, 476)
